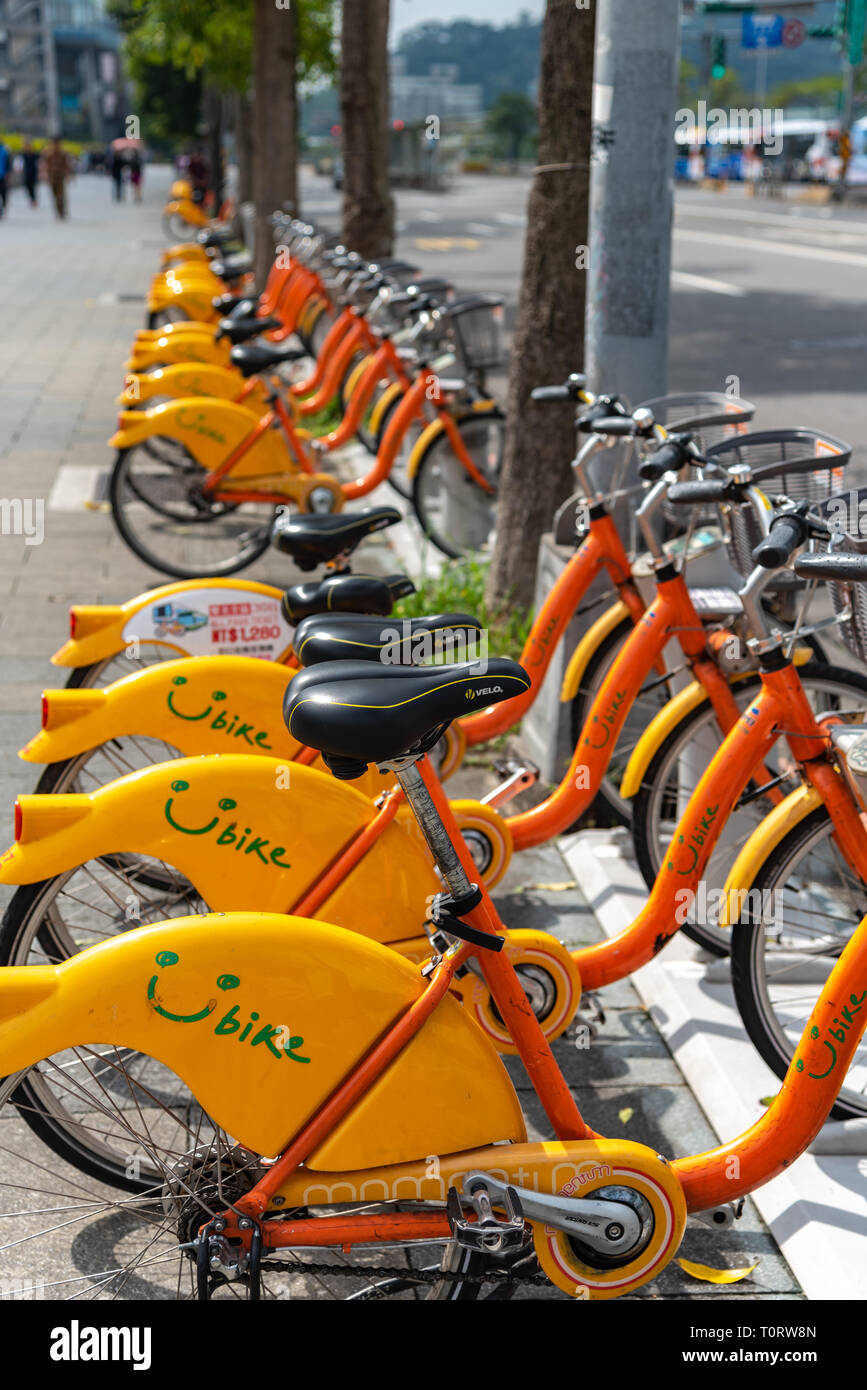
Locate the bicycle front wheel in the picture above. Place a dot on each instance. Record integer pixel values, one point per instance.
(794, 922)
(454, 512)
(674, 771)
(163, 517)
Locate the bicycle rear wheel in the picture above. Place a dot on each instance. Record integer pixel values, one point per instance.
(165, 520)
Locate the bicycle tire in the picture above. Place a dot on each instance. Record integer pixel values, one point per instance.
(257, 539)
(647, 815)
(749, 978)
(473, 500)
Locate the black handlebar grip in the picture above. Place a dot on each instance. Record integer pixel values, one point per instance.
(668, 458)
(622, 426)
(705, 490)
(541, 394)
(841, 565)
(786, 534)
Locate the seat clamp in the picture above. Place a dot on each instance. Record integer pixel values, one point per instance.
(446, 913)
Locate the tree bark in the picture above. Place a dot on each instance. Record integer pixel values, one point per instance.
(212, 111)
(548, 341)
(368, 207)
(243, 116)
(274, 135)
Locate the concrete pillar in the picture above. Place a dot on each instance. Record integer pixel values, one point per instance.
(635, 97)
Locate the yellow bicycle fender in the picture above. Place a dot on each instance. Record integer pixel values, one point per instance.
(188, 210)
(181, 328)
(767, 835)
(425, 439)
(182, 379)
(253, 832)
(178, 347)
(678, 707)
(593, 638)
(377, 415)
(210, 430)
(200, 617)
(193, 302)
(185, 251)
(549, 966)
(181, 188)
(355, 375)
(212, 704)
(248, 1006)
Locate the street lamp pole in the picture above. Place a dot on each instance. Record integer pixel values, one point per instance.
(635, 93)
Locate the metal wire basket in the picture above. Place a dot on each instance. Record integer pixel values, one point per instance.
(849, 511)
(803, 464)
(476, 324)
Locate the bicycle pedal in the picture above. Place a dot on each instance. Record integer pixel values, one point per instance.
(518, 775)
(490, 1234)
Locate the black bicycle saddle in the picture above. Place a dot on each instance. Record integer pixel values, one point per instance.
(351, 637)
(355, 713)
(313, 540)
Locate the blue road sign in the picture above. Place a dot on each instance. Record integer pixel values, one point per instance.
(762, 31)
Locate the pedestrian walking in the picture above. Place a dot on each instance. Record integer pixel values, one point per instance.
(4, 176)
(117, 165)
(134, 164)
(57, 170)
(30, 170)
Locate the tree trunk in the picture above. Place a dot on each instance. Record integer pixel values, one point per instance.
(368, 207)
(243, 116)
(275, 167)
(548, 341)
(212, 111)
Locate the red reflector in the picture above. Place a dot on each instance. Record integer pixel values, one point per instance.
(44, 710)
(73, 623)
(19, 821)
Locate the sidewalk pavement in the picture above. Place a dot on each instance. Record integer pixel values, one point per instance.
(73, 296)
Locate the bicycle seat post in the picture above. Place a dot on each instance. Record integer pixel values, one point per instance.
(432, 827)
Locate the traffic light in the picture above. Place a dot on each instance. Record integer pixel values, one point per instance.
(718, 65)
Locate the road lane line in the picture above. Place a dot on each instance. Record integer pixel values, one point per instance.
(773, 248)
(681, 279)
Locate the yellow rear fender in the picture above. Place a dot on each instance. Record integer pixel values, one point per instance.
(247, 1006)
(587, 647)
(188, 210)
(181, 188)
(185, 347)
(213, 704)
(667, 720)
(182, 327)
(203, 617)
(248, 832)
(193, 301)
(184, 251)
(210, 430)
(764, 840)
(182, 379)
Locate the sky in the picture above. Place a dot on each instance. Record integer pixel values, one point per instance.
(405, 14)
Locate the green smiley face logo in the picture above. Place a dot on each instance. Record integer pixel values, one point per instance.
(168, 958)
(226, 804)
(179, 682)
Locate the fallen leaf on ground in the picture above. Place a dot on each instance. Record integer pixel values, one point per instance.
(716, 1276)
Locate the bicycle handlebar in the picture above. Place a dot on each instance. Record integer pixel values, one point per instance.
(703, 490)
(786, 535)
(670, 457)
(844, 566)
(570, 390)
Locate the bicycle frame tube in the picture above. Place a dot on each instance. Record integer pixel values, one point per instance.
(384, 361)
(335, 368)
(297, 291)
(338, 329)
(798, 1112)
(671, 614)
(602, 550)
(780, 704)
(411, 405)
(293, 443)
(213, 480)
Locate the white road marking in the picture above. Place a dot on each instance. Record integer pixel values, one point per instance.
(429, 216)
(682, 279)
(773, 248)
(772, 219)
(481, 228)
(74, 487)
(512, 219)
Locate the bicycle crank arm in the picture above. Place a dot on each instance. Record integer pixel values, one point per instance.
(519, 776)
(610, 1227)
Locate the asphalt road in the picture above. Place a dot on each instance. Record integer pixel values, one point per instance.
(772, 292)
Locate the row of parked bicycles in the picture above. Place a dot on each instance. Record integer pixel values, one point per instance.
(214, 435)
(242, 852)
